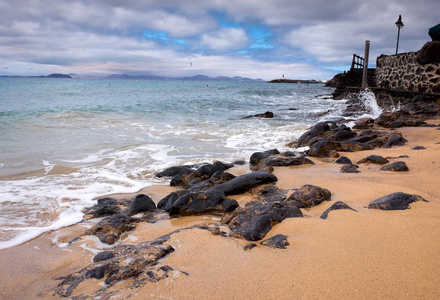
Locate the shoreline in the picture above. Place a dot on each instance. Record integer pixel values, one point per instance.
(364, 254)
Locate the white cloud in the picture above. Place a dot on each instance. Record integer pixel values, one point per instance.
(225, 39)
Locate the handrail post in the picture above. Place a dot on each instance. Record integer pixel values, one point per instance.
(365, 73)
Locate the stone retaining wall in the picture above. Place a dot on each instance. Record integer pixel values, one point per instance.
(403, 72)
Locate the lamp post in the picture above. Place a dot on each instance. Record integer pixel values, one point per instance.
(399, 25)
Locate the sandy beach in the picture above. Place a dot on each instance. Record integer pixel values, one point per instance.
(368, 254)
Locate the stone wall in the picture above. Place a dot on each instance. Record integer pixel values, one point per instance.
(403, 72)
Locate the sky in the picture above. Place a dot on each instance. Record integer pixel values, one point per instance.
(313, 39)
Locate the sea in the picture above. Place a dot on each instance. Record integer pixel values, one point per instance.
(66, 142)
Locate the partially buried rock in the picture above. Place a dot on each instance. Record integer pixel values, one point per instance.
(266, 115)
(351, 168)
(336, 206)
(395, 201)
(278, 241)
(110, 229)
(245, 182)
(398, 166)
(343, 160)
(374, 159)
(140, 203)
(395, 139)
(255, 220)
(200, 203)
(105, 207)
(418, 148)
(309, 195)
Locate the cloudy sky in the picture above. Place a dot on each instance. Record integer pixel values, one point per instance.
(249, 38)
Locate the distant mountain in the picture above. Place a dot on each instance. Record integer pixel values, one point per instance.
(58, 76)
(196, 77)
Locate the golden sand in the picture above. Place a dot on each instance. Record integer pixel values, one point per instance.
(369, 254)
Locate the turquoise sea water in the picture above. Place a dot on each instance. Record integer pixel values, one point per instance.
(66, 141)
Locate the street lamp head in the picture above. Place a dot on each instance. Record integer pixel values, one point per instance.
(399, 22)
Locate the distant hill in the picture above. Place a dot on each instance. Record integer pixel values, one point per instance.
(58, 76)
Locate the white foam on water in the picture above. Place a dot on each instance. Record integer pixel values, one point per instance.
(369, 100)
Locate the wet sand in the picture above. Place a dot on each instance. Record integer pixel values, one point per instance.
(369, 254)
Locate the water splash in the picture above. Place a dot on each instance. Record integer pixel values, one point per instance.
(369, 100)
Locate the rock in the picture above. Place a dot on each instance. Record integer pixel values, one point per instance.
(429, 54)
(335, 206)
(245, 182)
(287, 161)
(395, 201)
(350, 168)
(407, 121)
(374, 159)
(140, 203)
(278, 241)
(272, 193)
(343, 160)
(110, 229)
(318, 130)
(323, 147)
(266, 115)
(249, 246)
(255, 220)
(105, 207)
(259, 157)
(176, 170)
(343, 133)
(104, 255)
(418, 148)
(201, 203)
(139, 263)
(398, 166)
(309, 195)
(364, 123)
(395, 139)
(352, 146)
(167, 202)
(386, 118)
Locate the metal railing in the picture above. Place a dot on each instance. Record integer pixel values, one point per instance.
(357, 62)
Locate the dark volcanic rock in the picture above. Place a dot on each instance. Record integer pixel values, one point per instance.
(350, 168)
(386, 118)
(245, 182)
(337, 205)
(287, 161)
(272, 193)
(429, 54)
(343, 160)
(418, 148)
(343, 133)
(140, 263)
(278, 241)
(318, 130)
(398, 166)
(374, 159)
(200, 203)
(308, 196)
(105, 207)
(167, 202)
(322, 148)
(249, 246)
(176, 170)
(266, 115)
(140, 203)
(110, 229)
(255, 220)
(353, 146)
(395, 139)
(395, 201)
(364, 123)
(258, 157)
(407, 121)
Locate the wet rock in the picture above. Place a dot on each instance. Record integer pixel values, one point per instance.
(308, 196)
(258, 157)
(245, 182)
(176, 170)
(278, 241)
(364, 123)
(386, 118)
(266, 115)
(336, 206)
(398, 166)
(395, 139)
(318, 130)
(201, 203)
(255, 220)
(352, 146)
(343, 133)
(407, 121)
(167, 202)
(323, 147)
(395, 201)
(105, 207)
(350, 168)
(374, 159)
(287, 161)
(110, 229)
(343, 160)
(140, 203)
